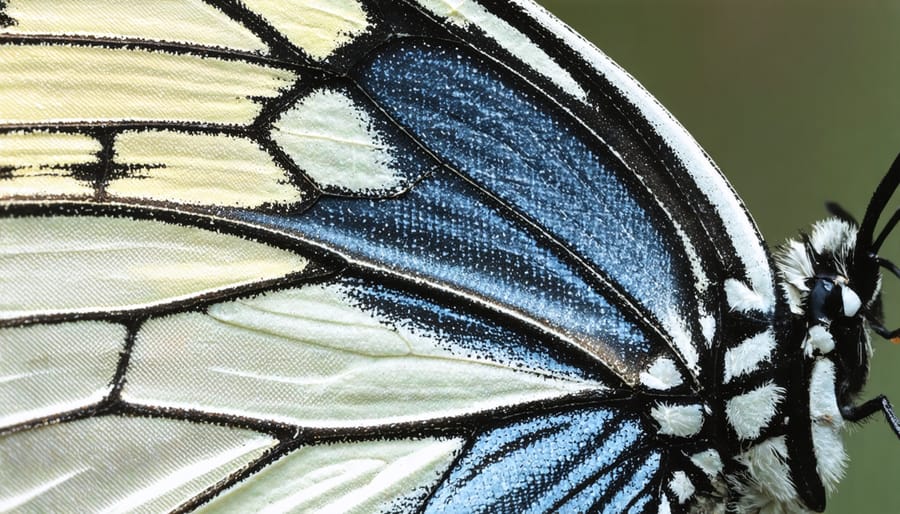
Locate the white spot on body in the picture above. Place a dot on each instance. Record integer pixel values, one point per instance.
(661, 375)
(708, 461)
(796, 267)
(818, 338)
(678, 420)
(851, 301)
(747, 356)
(750, 412)
(742, 298)
(681, 486)
(770, 483)
(833, 236)
(827, 424)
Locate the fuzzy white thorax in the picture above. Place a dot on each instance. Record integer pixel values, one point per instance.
(764, 486)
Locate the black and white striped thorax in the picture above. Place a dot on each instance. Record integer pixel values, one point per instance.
(767, 433)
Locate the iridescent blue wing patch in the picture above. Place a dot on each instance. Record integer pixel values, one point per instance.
(354, 256)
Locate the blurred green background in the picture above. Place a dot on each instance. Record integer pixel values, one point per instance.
(797, 102)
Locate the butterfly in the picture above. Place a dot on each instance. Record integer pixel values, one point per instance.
(428, 256)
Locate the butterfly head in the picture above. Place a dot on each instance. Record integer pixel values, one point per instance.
(832, 282)
(833, 293)
(831, 278)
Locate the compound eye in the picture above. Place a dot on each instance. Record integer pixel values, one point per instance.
(851, 302)
(825, 300)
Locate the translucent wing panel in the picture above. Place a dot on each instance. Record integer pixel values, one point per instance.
(62, 265)
(361, 477)
(115, 464)
(319, 357)
(45, 369)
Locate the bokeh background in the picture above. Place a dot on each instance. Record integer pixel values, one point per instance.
(797, 102)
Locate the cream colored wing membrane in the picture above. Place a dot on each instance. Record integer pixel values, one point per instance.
(465, 13)
(362, 477)
(59, 265)
(41, 163)
(318, 27)
(192, 22)
(207, 169)
(63, 83)
(163, 166)
(49, 369)
(119, 464)
(309, 356)
(333, 141)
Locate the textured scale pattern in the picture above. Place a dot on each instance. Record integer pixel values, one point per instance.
(362, 256)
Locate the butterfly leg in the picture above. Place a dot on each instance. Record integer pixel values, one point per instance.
(890, 335)
(879, 403)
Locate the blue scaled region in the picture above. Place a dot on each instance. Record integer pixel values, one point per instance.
(467, 332)
(530, 154)
(554, 463)
(444, 231)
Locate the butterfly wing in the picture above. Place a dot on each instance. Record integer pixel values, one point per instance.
(351, 256)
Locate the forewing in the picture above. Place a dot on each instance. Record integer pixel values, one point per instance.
(346, 256)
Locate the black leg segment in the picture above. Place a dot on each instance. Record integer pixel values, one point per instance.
(879, 403)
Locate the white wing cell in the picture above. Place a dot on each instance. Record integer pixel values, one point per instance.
(46, 369)
(307, 356)
(89, 264)
(362, 477)
(117, 464)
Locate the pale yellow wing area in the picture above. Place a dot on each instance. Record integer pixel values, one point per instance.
(61, 86)
(318, 27)
(43, 84)
(42, 163)
(79, 76)
(190, 168)
(192, 22)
